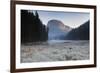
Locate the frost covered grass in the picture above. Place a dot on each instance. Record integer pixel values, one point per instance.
(65, 51)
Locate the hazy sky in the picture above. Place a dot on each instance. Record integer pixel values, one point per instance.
(72, 19)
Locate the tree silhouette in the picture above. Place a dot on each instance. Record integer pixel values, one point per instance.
(32, 28)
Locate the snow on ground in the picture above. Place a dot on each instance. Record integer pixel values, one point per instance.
(74, 50)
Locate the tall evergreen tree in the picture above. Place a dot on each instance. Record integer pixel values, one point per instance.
(32, 28)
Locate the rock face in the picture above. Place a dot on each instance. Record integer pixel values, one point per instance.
(80, 33)
(57, 30)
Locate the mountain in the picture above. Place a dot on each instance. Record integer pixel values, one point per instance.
(80, 33)
(57, 30)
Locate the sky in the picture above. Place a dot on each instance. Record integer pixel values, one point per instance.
(72, 19)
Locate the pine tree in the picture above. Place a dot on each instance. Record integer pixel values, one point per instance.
(32, 28)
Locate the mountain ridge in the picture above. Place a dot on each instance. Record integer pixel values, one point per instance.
(80, 33)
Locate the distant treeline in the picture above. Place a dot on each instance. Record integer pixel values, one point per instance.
(32, 28)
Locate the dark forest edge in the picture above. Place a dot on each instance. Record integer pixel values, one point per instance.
(32, 28)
